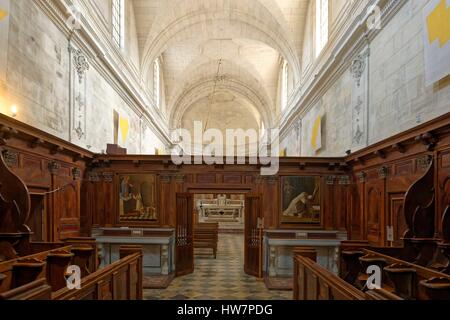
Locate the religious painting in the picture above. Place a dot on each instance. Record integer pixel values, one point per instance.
(137, 198)
(300, 200)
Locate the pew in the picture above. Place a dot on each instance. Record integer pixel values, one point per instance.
(314, 282)
(401, 278)
(36, 290)
(121, 280)
(48, 265)
(206, 236)
(444, 245)
(43, 277)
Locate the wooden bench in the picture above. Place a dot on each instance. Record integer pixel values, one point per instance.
(206, 235)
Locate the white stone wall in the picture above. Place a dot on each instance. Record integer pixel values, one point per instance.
(397, 97)
(35, 76)
(37, 70)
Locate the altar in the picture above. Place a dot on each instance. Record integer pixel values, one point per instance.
(279, 246)
(158, 247)
(220, 210)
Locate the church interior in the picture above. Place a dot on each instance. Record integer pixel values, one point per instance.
(224, 150)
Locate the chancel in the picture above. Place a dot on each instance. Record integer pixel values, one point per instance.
(224, 150)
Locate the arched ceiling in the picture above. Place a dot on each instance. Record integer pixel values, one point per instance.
(249, 38)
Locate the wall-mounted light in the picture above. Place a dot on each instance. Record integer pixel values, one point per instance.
(13, 110)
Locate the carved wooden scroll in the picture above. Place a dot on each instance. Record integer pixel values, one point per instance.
(419, 205)
(14, 206)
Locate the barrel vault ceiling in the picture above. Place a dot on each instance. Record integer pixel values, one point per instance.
(232, 48)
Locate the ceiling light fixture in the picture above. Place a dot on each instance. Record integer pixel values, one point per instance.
(217, 78)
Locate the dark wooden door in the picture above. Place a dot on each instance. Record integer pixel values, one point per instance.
(184, 255)
(253, 236)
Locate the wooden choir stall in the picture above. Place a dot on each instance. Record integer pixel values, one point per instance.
(315, 227)
(32, 270)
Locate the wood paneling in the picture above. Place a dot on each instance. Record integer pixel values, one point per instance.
(379, 176)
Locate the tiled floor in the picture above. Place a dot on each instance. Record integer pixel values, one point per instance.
(220, 279)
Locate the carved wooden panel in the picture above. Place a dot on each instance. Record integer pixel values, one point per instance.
(374, 209)
(104, 290)
(232, 178)
(340, 207)
(133, 280)
(355, 207)
(397, 219)
(206, 178)
(119, 283)
(403, 168)
(34, 171)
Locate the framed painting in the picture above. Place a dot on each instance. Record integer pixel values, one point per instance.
(138, 198)
(300, 200)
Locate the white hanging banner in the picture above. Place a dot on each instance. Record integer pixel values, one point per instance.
(4, 31)
(436, 17)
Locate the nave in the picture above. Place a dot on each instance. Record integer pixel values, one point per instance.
(218, 279)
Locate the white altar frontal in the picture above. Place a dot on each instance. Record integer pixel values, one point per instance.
(158, 247)
(279, 246)
(221, 210)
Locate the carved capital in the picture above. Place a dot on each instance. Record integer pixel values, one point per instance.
(76, 173)
(93, 176)
(329, 180)
(362, 176)
(383, 172)
(358, 67)
(108, 176)
(344, 180)
(179, 178)
(80, 63)
(54, 167)
(165, 178)
(11, 158)
(423, 162)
